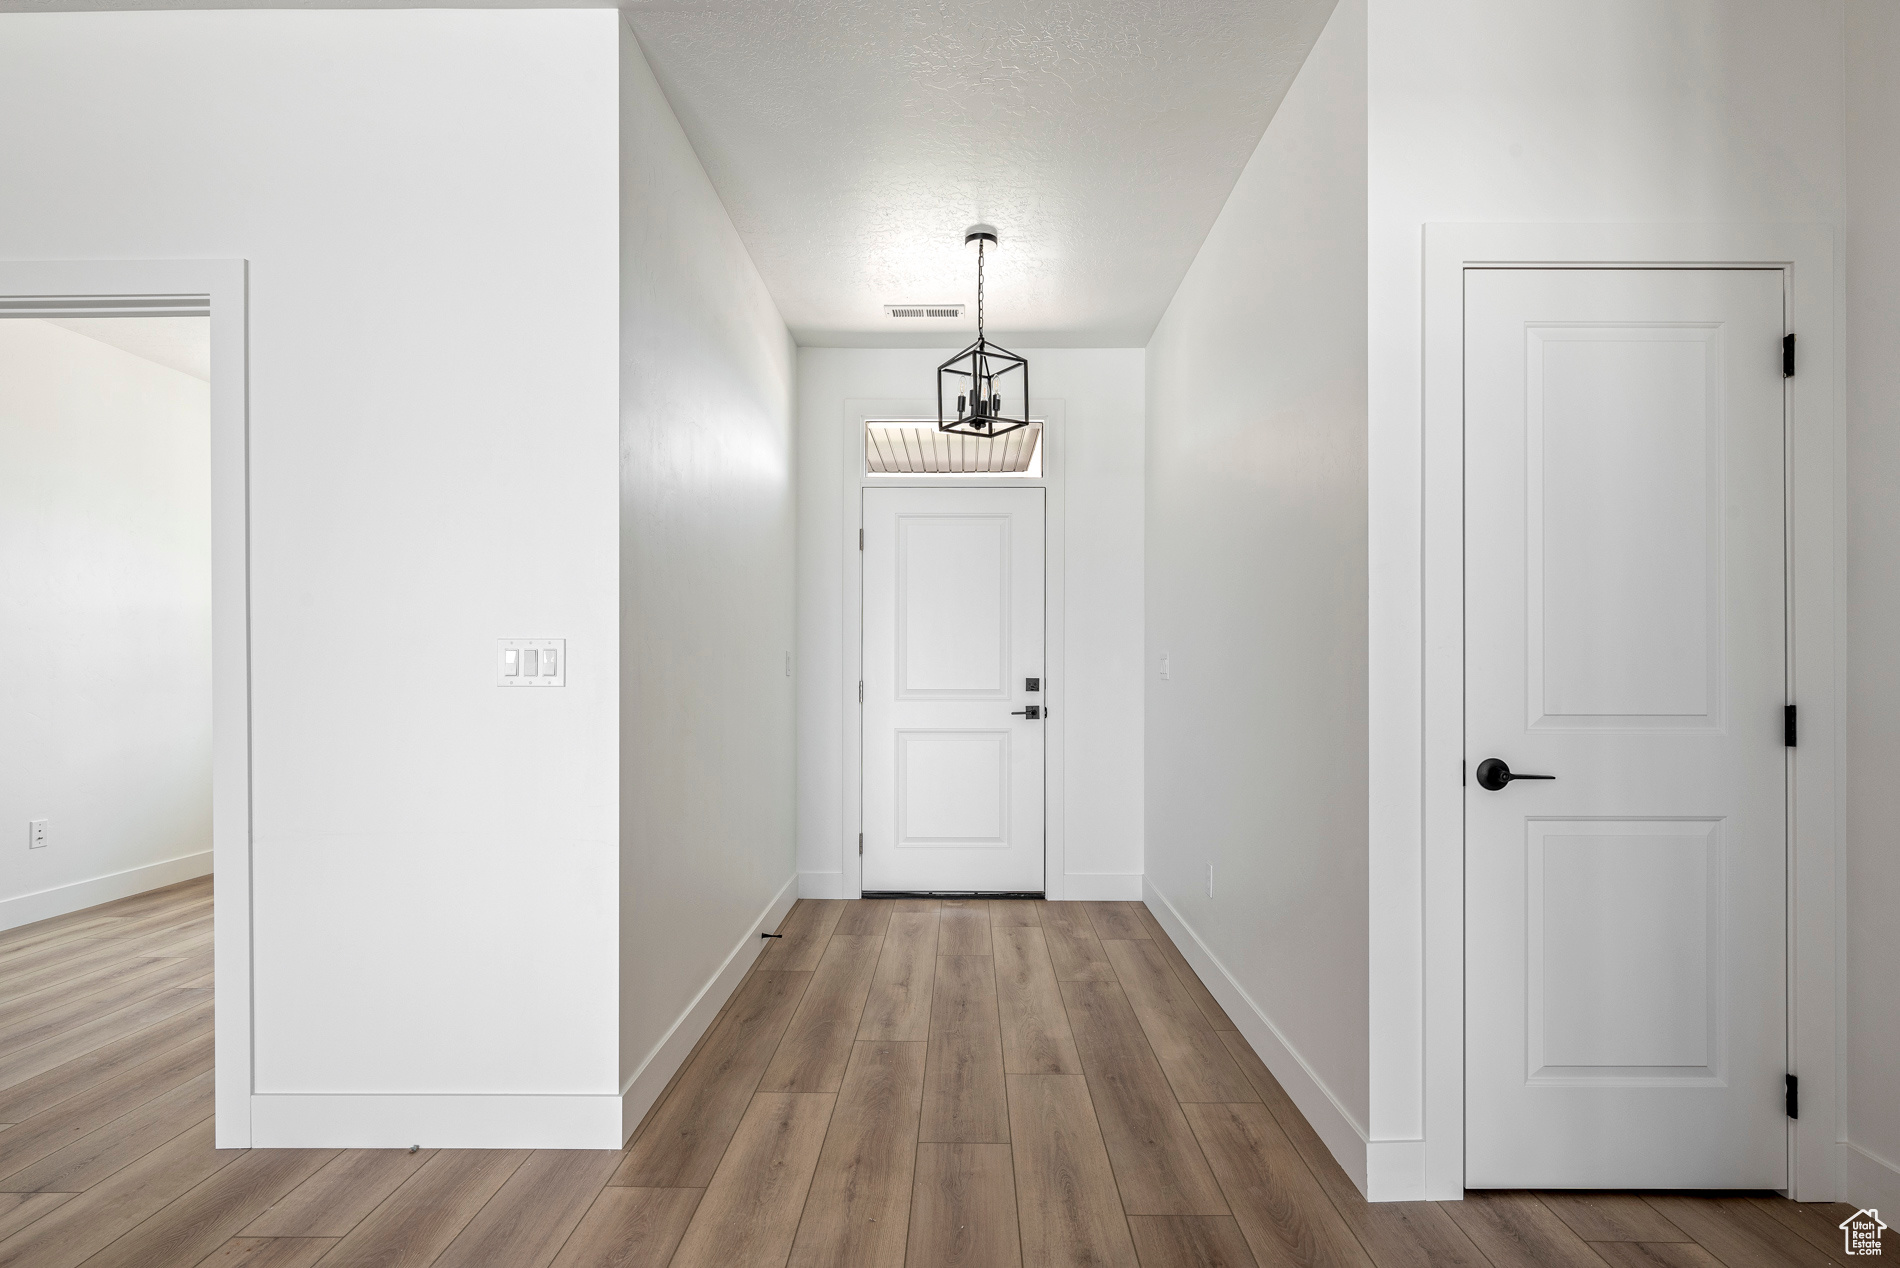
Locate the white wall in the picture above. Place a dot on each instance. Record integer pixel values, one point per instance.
(105, 624)
(1870, 1163)
(1101, 390)
(428, 202)
(706, 597)
(1503, 110)
(1257, 594)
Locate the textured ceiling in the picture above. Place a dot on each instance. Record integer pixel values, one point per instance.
(853, 140)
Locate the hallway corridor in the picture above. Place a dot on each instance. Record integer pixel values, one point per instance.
(901, 1082)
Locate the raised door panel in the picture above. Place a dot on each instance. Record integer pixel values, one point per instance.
(1624, 934)
(953, 607)
(953, 788)
(1624, 552)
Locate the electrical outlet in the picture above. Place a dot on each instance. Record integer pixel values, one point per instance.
(1210, 880)
(1164, 664)
(36, 834)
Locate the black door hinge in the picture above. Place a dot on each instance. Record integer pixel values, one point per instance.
(860, 844)
(860, 539)
(1787, 356)
(1794, 1097)
(1788, 730)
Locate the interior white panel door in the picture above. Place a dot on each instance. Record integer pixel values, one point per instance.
(1626, 976)
(953, 635)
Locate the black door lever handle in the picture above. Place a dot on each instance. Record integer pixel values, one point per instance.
(1030, 713)
(1493, 774)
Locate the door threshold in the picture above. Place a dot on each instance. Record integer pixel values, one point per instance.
(952, 893)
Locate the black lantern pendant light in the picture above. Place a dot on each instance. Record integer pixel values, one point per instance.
(989, 385)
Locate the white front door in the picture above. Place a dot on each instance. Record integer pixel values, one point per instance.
(1624, 631)
(953, 646)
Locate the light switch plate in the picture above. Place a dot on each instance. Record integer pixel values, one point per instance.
(545, 649)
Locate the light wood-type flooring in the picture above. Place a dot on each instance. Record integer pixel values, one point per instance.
(896, 1082)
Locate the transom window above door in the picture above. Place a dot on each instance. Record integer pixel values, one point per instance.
(916, 447)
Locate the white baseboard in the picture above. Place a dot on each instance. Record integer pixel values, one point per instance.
(1336, 1128)
(80, 895)
(1866, 1179)
(654, 1073)
(1102, 887)
(822, 885)
(327, 1121)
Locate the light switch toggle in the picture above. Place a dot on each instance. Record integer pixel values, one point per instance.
(531, 662)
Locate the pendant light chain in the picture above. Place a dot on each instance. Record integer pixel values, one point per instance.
(979, 288)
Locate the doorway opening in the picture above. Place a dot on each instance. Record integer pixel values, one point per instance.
(105, 538)
(1023, 475)
(123, 535)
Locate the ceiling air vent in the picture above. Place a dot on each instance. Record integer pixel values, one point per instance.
(923, 310)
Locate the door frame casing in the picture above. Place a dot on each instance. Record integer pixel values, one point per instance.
(1815, 482)
(856, 413)
(222, 285)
